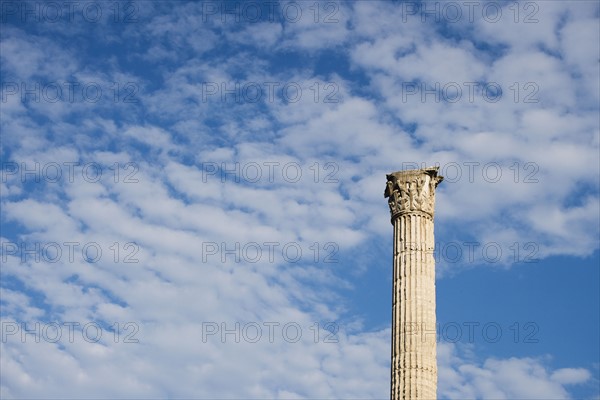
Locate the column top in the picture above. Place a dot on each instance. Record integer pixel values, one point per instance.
(412, 191)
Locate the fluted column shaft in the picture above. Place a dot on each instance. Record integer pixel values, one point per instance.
(414, 366)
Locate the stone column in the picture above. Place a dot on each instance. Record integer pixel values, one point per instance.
(411, 197)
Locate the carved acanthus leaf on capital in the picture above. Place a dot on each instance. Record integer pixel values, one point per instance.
(412, 191)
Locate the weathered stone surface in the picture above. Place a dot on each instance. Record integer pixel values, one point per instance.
(411, 197)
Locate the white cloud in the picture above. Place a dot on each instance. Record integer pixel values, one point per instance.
(567, 376)
(513, 378)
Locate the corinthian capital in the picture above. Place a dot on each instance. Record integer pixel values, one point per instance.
(412, 191)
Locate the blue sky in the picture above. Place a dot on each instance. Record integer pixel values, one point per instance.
(192, 196)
